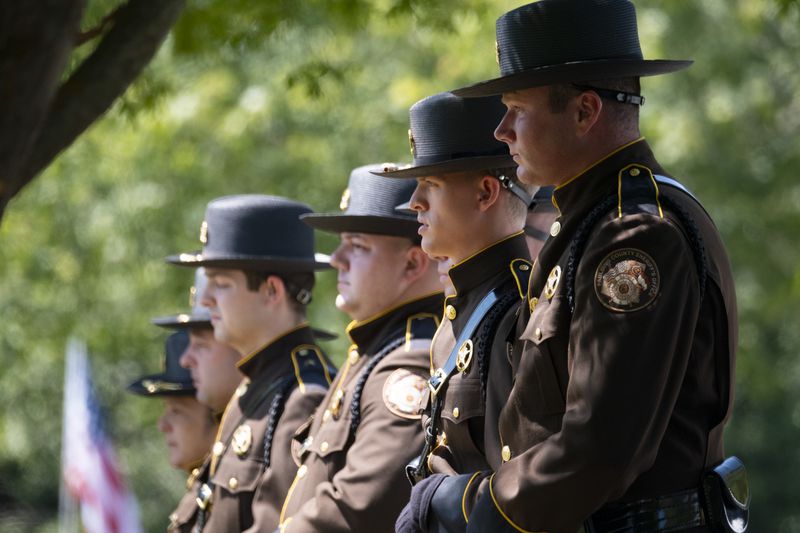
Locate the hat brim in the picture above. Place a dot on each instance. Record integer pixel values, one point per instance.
(336, 223)
(174, 388)
(572, 72)
(251, 262)
(451, 166)
(182, 321)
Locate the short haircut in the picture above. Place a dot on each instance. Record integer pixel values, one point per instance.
(298, 286)
(624, 113)
(516, 207)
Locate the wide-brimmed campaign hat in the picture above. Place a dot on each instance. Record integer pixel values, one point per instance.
(174, 380)
(368, 206)
(451, 134)
(198, 315)
(255, 232)
(567, 41)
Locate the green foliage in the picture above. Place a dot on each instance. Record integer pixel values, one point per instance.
(286, 98)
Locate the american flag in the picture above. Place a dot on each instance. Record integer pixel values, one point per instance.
(90, 471)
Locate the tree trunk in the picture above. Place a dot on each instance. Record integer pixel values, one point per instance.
(43, 118)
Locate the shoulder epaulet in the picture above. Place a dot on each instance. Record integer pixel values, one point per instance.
(311, 366)
(420, 326)
(637, 192)
(521, 270)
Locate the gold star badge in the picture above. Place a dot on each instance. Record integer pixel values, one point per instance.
(552, 282)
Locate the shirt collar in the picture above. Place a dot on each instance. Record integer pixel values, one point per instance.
(366, 334)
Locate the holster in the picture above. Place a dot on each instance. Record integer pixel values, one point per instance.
(727, 497)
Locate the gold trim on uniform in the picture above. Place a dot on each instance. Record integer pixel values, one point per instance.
(552, 282)
(532, 303)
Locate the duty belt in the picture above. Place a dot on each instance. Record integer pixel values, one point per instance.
(674, 512)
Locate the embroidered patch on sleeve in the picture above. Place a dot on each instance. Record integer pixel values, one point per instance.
(405, 393)
(627, 280)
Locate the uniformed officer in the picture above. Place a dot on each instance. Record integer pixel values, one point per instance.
(188, 426)
(624, 376)
(353, 452)
(472, 211)
(212, 364)
(259, 260)
(214, 377)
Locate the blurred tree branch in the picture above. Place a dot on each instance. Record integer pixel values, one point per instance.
(41, 115)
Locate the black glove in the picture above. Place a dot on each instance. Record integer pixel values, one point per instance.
(414, 516)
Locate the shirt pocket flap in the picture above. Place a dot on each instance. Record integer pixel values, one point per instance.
(543, 323)
(332, 437)
(238, 474)
(462, 400)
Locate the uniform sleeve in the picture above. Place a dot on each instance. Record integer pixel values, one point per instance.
(628, 352)
(276, 480)
(369, 492)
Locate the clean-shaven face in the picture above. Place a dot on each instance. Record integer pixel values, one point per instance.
(188, 430)
(371, 270)
(212, 365)
(539, 140)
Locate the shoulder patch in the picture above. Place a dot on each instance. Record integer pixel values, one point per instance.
(627, 280)
(405, 393)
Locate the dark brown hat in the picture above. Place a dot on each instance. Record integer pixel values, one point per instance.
(368, 206)
(174, 380)
(255, 232)
(566, 41)
(451, 134)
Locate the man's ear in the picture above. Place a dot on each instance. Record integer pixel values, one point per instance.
(587, 112)
(272, 289)
(417, 263)
(488, 192)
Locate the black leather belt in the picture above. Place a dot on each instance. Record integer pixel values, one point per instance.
(674, 512)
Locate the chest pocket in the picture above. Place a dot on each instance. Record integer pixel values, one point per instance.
(462, 400)
(239, 475)
(332, 437)
(543, 363)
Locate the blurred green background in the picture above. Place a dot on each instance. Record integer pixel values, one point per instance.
(285, 98)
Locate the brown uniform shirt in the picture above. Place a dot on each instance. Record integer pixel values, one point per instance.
(626, 364)
(468, 438)
(183, 518)
(292, 371)
(353, 479)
